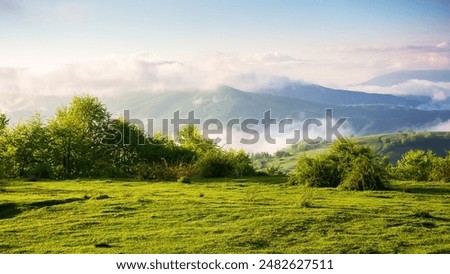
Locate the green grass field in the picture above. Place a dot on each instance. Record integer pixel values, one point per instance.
(257, 215)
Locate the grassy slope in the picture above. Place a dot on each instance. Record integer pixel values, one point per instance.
(260, 215)
(393, 145)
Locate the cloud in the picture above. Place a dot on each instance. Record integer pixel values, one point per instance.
(152, 73)
(263, 145)
(143, 72)
(438, 91)
(444, 126)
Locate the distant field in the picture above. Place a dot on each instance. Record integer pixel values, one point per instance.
(258, 215)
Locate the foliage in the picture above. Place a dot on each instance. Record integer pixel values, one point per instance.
(416, 165)
(366, 173)
(77, 132)
(220, 163)
(321, 171)
(346, 164)
(4, 121)
(441, 169)
(82, 141)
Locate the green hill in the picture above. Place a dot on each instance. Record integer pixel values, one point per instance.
(393, 145)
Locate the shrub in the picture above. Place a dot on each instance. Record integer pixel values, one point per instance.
(346, 164)
(316, 172)
(416, 165)
(365, 174)
(216, 163)
(163, 171)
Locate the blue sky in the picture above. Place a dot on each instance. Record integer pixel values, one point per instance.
(202, 43)
(94, 28)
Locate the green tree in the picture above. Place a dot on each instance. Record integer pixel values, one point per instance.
(77, 132)
(7, 151)
(415, 165)
(191, 138)
(31, 151)
(441, 169)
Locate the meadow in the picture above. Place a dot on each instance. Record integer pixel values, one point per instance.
(254, 215)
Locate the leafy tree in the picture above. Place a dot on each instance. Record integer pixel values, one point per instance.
(441, 169)
(191, 138)
(31, 153)
(77, 132)
(415, 165)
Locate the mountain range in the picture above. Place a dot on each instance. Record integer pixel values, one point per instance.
(368, 113)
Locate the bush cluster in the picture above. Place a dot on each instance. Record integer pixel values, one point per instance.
(347, 165)
(420, 165)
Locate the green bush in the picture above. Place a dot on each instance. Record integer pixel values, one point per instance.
(346, 164)
(320, 171)
(415, 165)
(365, 174)
(217, 163)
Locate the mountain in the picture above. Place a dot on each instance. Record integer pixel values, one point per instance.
(399, 77)
(226, 103)
(320, 94)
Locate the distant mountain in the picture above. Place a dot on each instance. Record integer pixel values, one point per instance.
(384, 113)
(320, 94)
(399, 77)
(226, 103)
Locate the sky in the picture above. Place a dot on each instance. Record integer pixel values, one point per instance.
(57, 47)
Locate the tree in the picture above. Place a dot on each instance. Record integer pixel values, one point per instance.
(441, 169)
(77, 132)
(191, 138)
(415, 165)
(31, 151)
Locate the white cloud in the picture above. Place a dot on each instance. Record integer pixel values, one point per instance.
(444, 126)
(152, 73)
(438, 91)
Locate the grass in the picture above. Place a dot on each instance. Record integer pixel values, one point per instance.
(254, 215)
